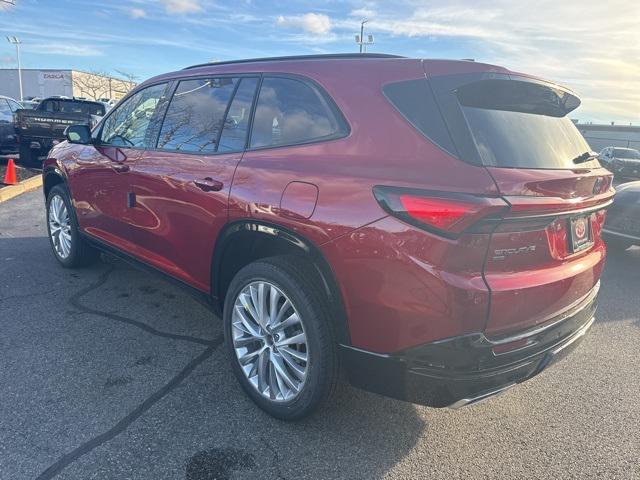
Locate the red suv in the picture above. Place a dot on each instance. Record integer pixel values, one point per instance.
(432, 227)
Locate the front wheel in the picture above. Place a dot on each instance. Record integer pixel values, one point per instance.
(69, 247)
(279, 337)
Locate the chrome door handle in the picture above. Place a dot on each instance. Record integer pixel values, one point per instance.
(120, 167)
(208, 184)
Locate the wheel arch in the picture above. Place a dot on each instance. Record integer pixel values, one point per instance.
(52, 176)
(246, 241)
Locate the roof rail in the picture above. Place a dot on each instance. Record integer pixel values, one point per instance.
(329, 56)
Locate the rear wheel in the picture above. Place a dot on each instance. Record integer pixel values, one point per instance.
(278, 334)
(69, 247)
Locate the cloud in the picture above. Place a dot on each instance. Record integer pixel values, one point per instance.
(363, 13)
(137, 13)
(314, 23)
(592, 47)
(182, 6)
(62, 49)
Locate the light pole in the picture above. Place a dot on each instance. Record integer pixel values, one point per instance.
(16, 41)
(360, 38)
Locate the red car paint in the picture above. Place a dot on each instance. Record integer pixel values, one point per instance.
(401, 286)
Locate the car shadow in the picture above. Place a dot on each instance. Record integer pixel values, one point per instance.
(203, 421)
(620, 285)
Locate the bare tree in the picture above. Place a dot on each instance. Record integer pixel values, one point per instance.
(126, 83)
(94, 84)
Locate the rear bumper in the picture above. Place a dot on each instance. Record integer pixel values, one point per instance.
(464, 370)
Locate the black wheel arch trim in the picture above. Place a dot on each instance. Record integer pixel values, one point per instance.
(295, 240)
(54, 170)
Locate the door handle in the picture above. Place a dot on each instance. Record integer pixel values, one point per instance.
(208, 184)
(120, 167)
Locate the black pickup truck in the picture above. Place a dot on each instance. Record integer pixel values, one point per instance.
(40, 129)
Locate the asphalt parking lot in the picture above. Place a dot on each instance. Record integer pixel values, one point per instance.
(111, 373)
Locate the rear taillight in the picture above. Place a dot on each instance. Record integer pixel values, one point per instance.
(440, 212)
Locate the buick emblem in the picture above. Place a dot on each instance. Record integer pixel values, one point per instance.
(580, 228)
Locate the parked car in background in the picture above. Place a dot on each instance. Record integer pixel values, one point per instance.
(8, 140)
(405, 216)
(622, 227)
(40, 129)
(623, 162)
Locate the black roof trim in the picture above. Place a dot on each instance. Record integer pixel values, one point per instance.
(329, 56)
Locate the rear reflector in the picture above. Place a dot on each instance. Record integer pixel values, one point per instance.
(440, 212)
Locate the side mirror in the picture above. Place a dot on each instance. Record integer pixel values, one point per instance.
(78, 134)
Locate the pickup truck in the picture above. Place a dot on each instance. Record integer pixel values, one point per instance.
(40, 129)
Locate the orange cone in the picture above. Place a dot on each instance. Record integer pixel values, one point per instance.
(10, 177)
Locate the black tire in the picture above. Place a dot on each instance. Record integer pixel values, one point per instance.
(617, 244)
(81, 252)
(295, 279)
(28, 158)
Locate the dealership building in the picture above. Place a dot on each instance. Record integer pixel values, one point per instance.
(611, 135)
(69, 83)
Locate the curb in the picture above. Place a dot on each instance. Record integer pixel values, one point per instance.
(27, 185)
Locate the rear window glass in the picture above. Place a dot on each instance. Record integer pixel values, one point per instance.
(415, 101)
(521, 124)
(70, 106)
(626, 153)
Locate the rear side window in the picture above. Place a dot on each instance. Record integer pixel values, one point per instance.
(195, 115)
(415, 101)
(290, 112)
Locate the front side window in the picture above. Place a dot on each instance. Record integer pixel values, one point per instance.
(291, 112)
(127, 125)
(195, 115)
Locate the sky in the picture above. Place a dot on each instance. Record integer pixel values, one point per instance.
(590, 46)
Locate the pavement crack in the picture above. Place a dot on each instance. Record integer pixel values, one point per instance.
(67, 459)
(102, 279)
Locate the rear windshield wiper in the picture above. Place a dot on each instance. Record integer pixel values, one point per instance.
(584, 157)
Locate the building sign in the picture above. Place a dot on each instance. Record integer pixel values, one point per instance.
(47, 77)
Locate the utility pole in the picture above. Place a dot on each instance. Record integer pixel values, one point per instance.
(362, 33)
(16, 41)
(360, 38)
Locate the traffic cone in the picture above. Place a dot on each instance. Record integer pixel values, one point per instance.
(10, 177)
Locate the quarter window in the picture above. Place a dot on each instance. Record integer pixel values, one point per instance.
(195, 115)
(128, 124)
(291, 112)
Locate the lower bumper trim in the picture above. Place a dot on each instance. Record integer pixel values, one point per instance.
(406, 377)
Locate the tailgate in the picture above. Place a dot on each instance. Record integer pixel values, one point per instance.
(47, 125)
(547, 254)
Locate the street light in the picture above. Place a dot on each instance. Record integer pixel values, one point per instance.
(360, 38)
(16, 41)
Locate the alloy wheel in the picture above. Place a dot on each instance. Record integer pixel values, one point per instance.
(60, 226)
(269, 341)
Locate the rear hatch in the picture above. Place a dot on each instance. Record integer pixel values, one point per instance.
(545, 251)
